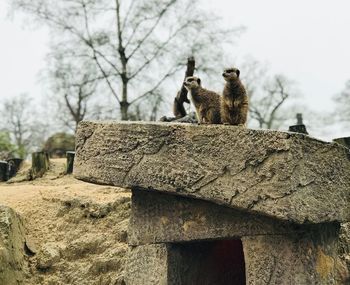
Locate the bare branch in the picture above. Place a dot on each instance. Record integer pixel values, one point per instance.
(156, 86)
(104, 73)
(158, 50)
(150, 31)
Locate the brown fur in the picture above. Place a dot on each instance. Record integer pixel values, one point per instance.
(234, 101)
(206, 102)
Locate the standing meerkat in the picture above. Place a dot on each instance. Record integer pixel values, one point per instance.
(234, 101)
(206, 102)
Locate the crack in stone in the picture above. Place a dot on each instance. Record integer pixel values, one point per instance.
(143, 156)
(254, 203)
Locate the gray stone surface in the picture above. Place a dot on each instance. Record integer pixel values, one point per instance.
(275, 252)
(287, 176)
(13, 266)
(147, 265)
(307, 258)
(158, 217)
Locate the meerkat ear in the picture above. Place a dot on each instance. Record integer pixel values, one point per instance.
(238, 72)
(199, 81)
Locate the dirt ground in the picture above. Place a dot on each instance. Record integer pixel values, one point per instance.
(76, 230)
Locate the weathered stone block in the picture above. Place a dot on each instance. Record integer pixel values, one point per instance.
(299, 258)
(147, 265)
(275, 252)
(163, 218)
(12, 257)
(287, 176)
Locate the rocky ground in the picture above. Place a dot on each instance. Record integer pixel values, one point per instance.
(74, 232)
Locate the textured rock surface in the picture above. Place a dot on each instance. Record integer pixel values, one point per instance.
(13, 266)
(287, 176)
(307, 258)
(157, 217)
(147, 265)
(48, 255)
(275, 252)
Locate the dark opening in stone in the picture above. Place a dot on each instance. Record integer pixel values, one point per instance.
(211, 263)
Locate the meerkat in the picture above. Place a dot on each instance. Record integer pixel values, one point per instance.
(234, 100)
(206, 102)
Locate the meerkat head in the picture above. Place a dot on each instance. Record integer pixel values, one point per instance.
(231, 73)
(192, 82)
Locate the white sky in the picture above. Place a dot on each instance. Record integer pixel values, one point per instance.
(307, 40)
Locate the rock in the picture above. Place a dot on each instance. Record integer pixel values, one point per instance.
(30, 246)
(344, 253)
(81, 247)
(48, 255)
(287, 176)
(13, 266)
(152, 258)
(58, 144)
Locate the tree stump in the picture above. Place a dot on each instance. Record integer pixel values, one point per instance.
(181, 97)
(3, 170)
(40, 164)
(299, 127)
(70, 161)
(13, 166)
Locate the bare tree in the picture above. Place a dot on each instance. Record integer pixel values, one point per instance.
(73, 88)
(270, 96)
(7, 149)
(264, 109)
(136, 45)
(25, 132)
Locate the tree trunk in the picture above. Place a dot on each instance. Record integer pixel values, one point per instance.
(181, 97)
(124, 104)
(3, 170)
(13, 166)
(70, 161)
(40, 164)
(124, 107)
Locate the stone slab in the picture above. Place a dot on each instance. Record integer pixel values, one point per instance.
(164, 218)
(287, 176)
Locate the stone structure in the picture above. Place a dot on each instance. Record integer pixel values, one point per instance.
(13, 266)
(222, 204)
(58, 144)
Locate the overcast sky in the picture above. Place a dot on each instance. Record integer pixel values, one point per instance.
(307, 40)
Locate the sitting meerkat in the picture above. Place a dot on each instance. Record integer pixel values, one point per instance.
(234, 100)
(206, 102)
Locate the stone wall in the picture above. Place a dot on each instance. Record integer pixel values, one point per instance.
(287, 176)
(275, 252)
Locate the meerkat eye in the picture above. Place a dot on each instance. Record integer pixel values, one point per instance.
(190, 80)
(229, 70)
